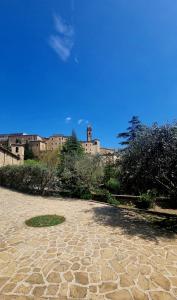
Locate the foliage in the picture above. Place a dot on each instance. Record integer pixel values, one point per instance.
(32, 162)
(150, 161)
(79, 175)
(165, 222)
(113, 185)
(72, 146)
(45, 221)
(50, 158)
(34, 179)
(145, 201)
(109, 198)
(132, 131)
(110, 179)
(28, 153)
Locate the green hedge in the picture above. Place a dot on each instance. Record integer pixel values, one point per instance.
(33, 179)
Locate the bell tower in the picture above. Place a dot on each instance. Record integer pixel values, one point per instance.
(89, 134)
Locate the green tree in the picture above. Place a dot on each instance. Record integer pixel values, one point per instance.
(132, 131)
(80, 175)
(28, 153)
(150, 161)
(72, 146)
(50, 158)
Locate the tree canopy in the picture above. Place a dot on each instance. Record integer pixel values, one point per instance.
(129, 135)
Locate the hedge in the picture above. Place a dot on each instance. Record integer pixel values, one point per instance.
(27, 178)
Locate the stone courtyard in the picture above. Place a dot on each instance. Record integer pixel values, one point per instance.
(99, 252)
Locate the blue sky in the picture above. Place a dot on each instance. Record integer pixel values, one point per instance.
(97, 61)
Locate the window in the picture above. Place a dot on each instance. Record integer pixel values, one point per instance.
(16, 149)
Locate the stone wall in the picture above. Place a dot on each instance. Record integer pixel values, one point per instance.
(7, 158)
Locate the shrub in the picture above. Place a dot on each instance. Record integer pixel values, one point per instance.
(34, 179)
(79, 175)
(109, 198)
(113, 185)
(145, 201)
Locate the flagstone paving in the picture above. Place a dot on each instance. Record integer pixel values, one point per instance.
(99, 252)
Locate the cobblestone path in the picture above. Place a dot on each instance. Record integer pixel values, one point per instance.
(99, 252)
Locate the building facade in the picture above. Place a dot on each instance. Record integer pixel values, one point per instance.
(39, 144)
(13, 157)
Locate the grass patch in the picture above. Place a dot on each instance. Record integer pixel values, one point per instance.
(45, 221)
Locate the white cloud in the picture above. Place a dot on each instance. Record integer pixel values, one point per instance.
(68, 119)
(62, 42)
(80, 121)
(62, 27)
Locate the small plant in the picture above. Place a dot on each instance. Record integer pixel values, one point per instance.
(110, 199)
(45, 221)
(146, 200)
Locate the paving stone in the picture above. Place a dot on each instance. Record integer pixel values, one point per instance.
(139, 295)
(82, 258)
(107, 274)
(77, 292)
(93, 288)
(161, 280)
(23, 289)
(68, 276)
(126, 280)
(54, 277)
(3, 280)
(143, 283)
(161, 296)
(52, 290)
(81, 277)
(8, 288)
(119, 295)
(35, 278)
(63, 289)
(75, 266)
(94, 277)
(118, 267)
(107, 287)
(39, 291)
(62, 267)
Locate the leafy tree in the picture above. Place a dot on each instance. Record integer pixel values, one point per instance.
(50, 158)
(28, 153)
(132, 130)
(150, 161)
(79, 175)
(72, 146)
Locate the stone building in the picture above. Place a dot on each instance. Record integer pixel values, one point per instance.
(39, 144)
(13, 157)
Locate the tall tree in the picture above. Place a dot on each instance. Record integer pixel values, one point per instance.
(131, 133)
(72, 146)
(150, 161)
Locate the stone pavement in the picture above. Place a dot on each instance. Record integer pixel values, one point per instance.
(99, 252)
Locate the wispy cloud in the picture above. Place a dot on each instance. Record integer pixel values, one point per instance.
(63, 41)
(80, 121)
(68, 119)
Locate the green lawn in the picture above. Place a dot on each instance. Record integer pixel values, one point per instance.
(45, 221)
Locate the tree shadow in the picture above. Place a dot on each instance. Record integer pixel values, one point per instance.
(130, 222)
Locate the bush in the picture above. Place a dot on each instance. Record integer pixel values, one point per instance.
(34, 179)
(145, 201)
(109, 198)
(79, 175)
(113, 185)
